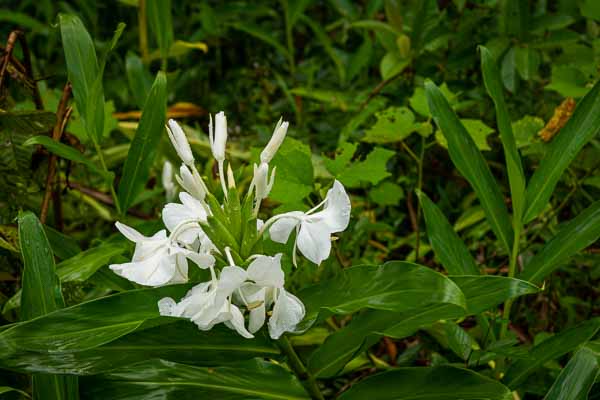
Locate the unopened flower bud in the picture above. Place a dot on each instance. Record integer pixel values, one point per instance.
(278, 135)
(218, 136)
(180, 142)
(191, 183)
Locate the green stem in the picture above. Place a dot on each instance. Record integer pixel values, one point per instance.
(307, 379)
(105, 169)
(420, 187)
(512, 267)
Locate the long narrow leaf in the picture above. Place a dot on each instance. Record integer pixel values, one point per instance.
(576, 235)
(42, 295)
(161, 23)
(471, 164)
(448, 247)
(583, 125)
(516, 177)
(577, 377)
(144, 145)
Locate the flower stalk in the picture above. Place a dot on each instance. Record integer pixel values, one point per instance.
(296, 364)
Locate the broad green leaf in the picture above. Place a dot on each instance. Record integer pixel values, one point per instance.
(163, 379)
(476, 128)
(365, 329)
(453, 337)
(372, 169)
(393, 286)
(387, 194)
(471, 164)
(487, 291)
(138, 77)
(161, 23)
(41, 295)
(108, 318)
(508, 71)
(568, 80)
(418, 101)
(145, 143)
(549, 349)
(526, 129)
(295, 174)
(392, 64)
(180, 341)
(577, 377)
(84, 74)
(574, 236)
(448, 247)
(583, 125)
(437, 383)
(516, 177)
(343, 157)
(590, 9)
(64, 151)
(393, 124)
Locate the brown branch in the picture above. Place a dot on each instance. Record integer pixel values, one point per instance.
(62, 115)
(377, 89)
(10, 45)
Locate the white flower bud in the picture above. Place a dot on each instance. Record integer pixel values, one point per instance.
(262, 183)
(278, 135)
(167, 180)
(191, 183)
(180, 142)
(218, 136)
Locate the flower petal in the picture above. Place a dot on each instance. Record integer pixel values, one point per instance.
(314, 241)
(266, 271)
(157, 270)
(336, 213)
(130, 233)
(236, 322)
(282, 228)
(287, 313)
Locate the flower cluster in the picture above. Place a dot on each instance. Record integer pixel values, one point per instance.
(226, 239)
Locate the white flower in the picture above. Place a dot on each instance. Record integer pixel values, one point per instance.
(180, 142)
(314, 229)
(156, 261)
(263, 288)
(218, 136)
(261, 183)
(191, 182)
(209, 303)
(167, 180)
(271, 148)
(183, 221)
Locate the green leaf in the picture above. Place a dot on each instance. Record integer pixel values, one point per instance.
(163, 379)
(393, 124)
(526, 129)
(487, 291)
(180, 341)
(78, 268)
(527, 62)
(574, 236)
(41, 295)
(453, 337)
(372, 169)
(161, 24)
(85, 74)
(145, 143)
(392, 64)
(549, 349)
(516, 177)
(583, 125)
(508, 70)
(365, 329)
(577, 377)
(138, 77)
(471, 164)
(387, 194)
(476, 128)
(295, 175)
(418, 101)
(393, 286)
(437, 383)
(67, 152)
(343, 156)
(69, 329)
(7, 389)
(261, 34)
(568, 80)
(448, 247)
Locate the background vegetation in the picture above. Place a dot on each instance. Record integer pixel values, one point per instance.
(350, 78)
